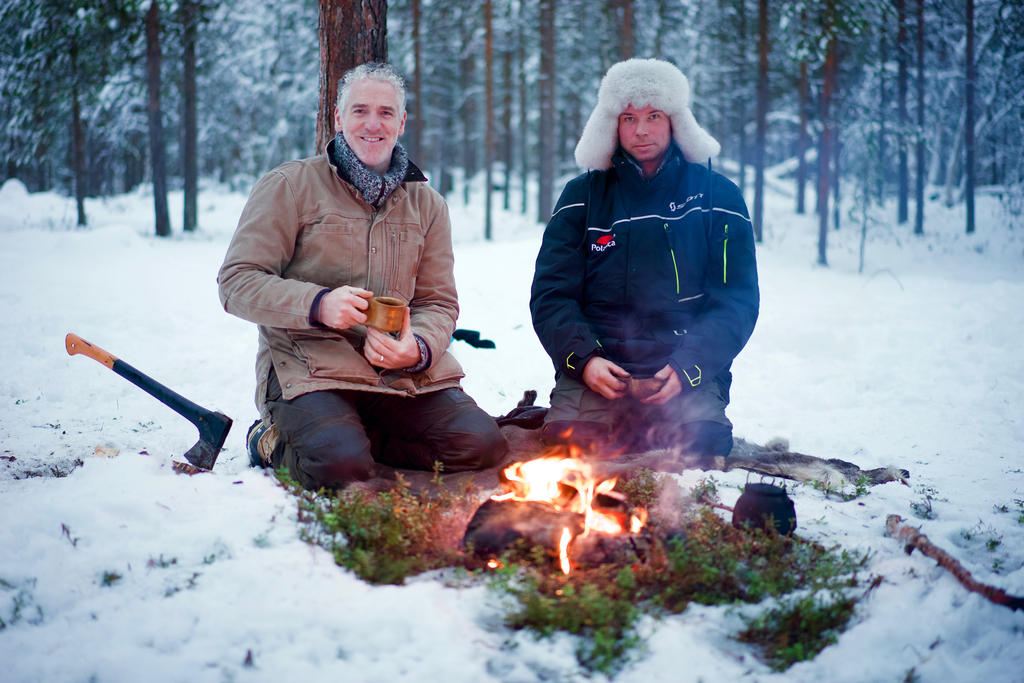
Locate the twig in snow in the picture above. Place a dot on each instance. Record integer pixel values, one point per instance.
(913, 538)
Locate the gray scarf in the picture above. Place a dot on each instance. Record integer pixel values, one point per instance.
(373, 187)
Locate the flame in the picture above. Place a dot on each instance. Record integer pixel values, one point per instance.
(563, 551)
(568, 483)
(637, 521)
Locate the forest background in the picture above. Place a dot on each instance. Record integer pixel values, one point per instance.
(899, 97)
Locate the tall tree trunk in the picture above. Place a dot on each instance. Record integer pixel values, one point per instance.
(546, 77)
(489, 114)
(970, 115)
(901, 96)
(919, 146)
(506, 111)
(741, 104)
(804, 143)
(352, 32)
(417, 87)
(190, 159)
(762, 116)
(156, 128)
(824, 149)
(835, 172)
(883, 111)
(133, 161)
(445, 155)
(467, 81)
(524, 130)
(77, 136)
(623, 10)
(954, 163)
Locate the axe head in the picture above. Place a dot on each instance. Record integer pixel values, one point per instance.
(213, 430)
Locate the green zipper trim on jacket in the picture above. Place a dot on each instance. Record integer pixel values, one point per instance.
(675, 266)
(724, 254)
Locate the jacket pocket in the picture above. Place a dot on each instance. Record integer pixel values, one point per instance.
(445, 370)
(331, 355)
(405, 247)
(325, 249)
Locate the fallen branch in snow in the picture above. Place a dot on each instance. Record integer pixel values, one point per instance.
(913, 538)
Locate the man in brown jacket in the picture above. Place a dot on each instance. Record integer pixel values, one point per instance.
(317, 238)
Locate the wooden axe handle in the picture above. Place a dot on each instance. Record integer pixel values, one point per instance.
(75, 344)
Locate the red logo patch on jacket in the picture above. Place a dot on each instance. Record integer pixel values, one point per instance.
(603, 242)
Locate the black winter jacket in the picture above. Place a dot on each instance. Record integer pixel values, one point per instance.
(647, 272)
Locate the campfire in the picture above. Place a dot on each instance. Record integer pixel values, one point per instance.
(558, 502)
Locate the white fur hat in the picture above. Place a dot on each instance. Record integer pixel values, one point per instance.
(642, 82)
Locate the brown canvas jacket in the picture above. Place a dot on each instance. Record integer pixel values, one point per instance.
(304, 229)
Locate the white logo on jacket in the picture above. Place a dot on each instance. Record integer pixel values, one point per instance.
(672, 206)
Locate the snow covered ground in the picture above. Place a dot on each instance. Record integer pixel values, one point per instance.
(123, 570)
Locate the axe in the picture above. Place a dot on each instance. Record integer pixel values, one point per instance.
(213, 427)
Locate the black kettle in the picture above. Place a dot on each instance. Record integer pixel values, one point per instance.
(761, 505)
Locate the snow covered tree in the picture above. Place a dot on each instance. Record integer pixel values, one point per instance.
(73, 90)
(54, 58)
(257, 87)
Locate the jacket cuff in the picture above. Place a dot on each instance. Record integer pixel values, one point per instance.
(425, 357)
(690, 376)
(573, 364)
(314, 309)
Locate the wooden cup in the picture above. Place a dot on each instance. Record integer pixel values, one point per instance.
(386, 313)
(642, 387)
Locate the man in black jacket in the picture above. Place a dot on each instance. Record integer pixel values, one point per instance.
(646, 285)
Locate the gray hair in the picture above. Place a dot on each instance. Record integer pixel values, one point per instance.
(376, 71)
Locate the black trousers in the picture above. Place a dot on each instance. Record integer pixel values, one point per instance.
(693, 422)
(331, 438)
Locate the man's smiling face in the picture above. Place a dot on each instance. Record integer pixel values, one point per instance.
(371, 122)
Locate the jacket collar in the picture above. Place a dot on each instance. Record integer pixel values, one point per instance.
(414, 174)
(629, 169)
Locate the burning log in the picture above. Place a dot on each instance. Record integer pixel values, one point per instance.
(557, 503)
(596, 549)
(501, 525)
